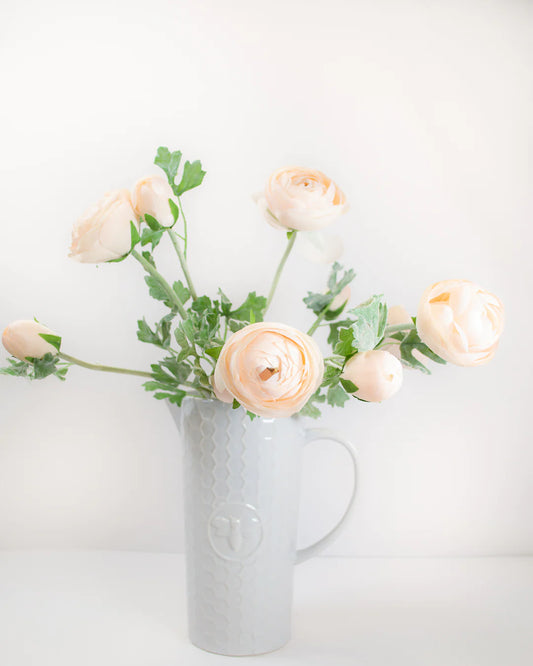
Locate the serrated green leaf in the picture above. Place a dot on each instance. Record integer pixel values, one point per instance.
(45, 366)
(54, 340)
(148, 256)
(337, 396)
(156, 290)
(413, 343)
(192, 177)
(150, 236)
(346, 344)
(254, 305)
(168, 161)
(181, 291)
(369, 321)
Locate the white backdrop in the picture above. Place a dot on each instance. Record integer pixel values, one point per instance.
(420, 111)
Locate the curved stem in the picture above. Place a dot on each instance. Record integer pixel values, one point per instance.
(183, 261)
(277, 275)
(104, 368)
(172, 296)
(317, 321)
(184, 230)
(397, 328)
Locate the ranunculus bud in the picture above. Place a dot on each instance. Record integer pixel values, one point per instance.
(341, 299)
(376, 373)
(460, 322)
(301, 199)
(150, 197)
(22, 340)
(271, 369)
(103, 232)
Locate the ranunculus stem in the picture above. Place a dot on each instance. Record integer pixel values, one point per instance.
(184, 231)
(172, 296)
(317, 321)
(397, 328)
(290, 244)
(183, 261)
(104, 368)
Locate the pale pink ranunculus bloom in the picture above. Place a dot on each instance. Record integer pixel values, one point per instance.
(103, 232)
(271, 369)
(377, 374)
(21, 339)
(301, 199)
(150, 196)
(460, 322)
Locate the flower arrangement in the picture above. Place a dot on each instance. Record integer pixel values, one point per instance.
(212, 348)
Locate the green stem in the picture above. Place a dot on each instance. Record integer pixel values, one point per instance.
(317, 321)
(184, 229)
(290, 244)
(183, 261)
(172, 296)
(397, 328)
(103, 368)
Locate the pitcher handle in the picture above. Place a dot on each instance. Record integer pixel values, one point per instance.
(311, 435)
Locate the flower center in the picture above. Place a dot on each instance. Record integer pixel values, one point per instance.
(267, 373)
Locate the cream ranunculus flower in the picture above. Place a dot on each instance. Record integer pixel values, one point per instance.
(103, 232)
(377, 374)
(150, 197)
(301, 199)
(21, 339)
(460, 322)
(271, 369)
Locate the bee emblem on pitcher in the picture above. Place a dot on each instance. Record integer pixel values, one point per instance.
(235, 531)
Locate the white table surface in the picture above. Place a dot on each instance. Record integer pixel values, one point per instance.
(98, 608)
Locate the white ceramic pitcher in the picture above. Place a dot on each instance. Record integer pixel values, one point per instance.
(242, 488)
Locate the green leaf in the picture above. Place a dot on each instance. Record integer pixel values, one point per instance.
(331, 375)
(152, 222)
(310, 409)
(225, 303)
(251, 415)
(135, 238)
(174, 210)
(16, 368)
(147, 255)
(150, 236)
(214, 352)
(370, 319)
(317, 302)
(411, 343)
(334, 327)
(54, 340)
(337, 396)
(236, 404)
(253, 306)
(181, 291)
(346, 344)
(168, 161)
(45, 366)
(192, 177)
(348, 386)
(180, 370)
(145, 333)
(156, 290)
